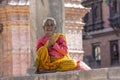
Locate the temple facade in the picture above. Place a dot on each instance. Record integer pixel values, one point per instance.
(22, 26)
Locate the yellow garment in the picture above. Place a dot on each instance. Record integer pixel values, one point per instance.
(43, 60)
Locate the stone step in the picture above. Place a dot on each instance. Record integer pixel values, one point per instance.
(95, 74)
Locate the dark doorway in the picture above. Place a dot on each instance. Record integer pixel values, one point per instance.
(114, 52)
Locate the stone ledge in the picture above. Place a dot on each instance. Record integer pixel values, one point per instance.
(95, 74)
(114, 73)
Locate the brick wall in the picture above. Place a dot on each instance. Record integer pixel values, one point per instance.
(104, 41)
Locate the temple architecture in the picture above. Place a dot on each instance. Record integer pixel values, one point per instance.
(74, 12)
(15, 39)
(22, 26)
(19, 31)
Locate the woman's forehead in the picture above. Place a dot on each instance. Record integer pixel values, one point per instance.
(49, 22)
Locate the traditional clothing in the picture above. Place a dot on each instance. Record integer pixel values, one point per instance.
(56, 57)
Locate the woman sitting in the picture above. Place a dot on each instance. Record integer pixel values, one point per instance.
(52, 51)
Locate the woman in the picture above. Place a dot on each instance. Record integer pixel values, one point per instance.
(52, 51)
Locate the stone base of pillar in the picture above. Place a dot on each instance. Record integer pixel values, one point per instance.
(31, 70)
(77, 55)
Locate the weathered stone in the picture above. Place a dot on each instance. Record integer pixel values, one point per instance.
(56, 8)
(114, 73)
(95, 74)
(21, 78)
(31, 70)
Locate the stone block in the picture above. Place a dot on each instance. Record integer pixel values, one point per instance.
(31, 70)
(95, 74)
(69, 75)
(21, 78)
(114, 73)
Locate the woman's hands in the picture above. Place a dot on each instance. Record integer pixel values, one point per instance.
(51, 42)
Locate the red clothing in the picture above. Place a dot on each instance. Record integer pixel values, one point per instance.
(58, 50)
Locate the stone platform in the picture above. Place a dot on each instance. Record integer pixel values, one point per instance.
(95, 74)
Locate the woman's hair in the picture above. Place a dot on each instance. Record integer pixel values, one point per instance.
(49, 18)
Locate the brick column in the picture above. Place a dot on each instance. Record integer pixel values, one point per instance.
(39, 10)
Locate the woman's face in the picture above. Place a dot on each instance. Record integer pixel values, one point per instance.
(49, 27)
